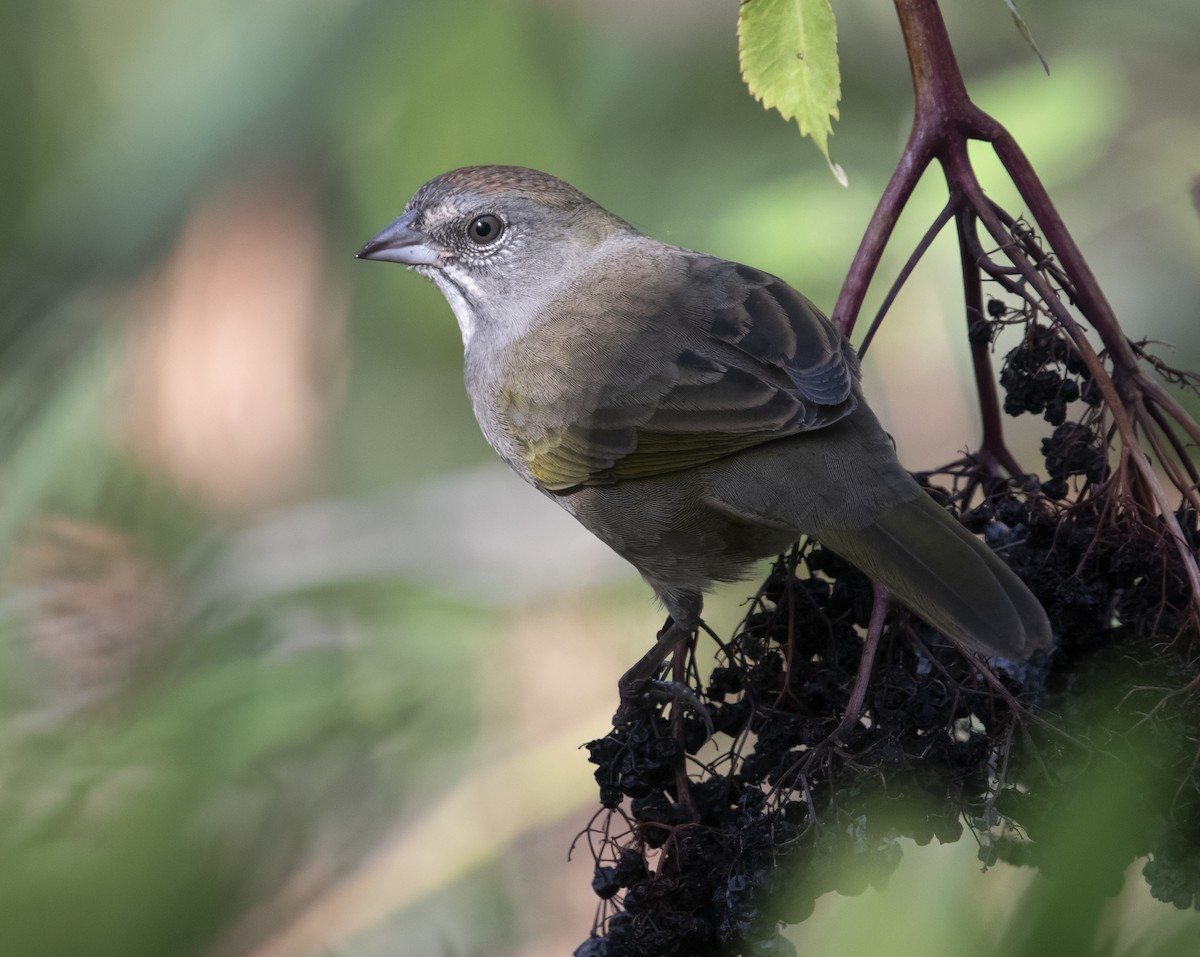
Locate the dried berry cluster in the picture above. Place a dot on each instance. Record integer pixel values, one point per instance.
(778, 813)
(1044, 374)
(743, 853)
(773, 819)
(1100, 579)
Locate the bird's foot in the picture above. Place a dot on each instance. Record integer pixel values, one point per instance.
(640, 694)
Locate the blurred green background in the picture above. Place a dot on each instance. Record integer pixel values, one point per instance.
(289, 665)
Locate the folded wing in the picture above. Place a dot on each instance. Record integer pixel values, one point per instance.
(733, 358)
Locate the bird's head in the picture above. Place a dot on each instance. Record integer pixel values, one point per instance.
(493, 237)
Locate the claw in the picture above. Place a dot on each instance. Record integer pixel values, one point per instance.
(643, 692)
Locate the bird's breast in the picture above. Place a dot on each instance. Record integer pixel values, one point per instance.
(502, 410)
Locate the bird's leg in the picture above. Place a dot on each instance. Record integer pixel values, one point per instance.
(637, 679)
(640, 682)
(880, 605)
(637, 682)
(638, 686)
(683, 785)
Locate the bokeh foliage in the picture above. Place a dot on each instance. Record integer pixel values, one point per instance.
(188, 726)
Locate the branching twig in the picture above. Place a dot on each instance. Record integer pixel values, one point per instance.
(1054, 279)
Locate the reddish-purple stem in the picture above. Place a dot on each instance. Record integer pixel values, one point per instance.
(944, 122)
(992, 448)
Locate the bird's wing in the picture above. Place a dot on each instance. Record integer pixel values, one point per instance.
(732, 358)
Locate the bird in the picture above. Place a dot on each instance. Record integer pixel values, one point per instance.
(695, 414)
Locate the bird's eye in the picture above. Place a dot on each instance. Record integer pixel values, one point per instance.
(485, 229)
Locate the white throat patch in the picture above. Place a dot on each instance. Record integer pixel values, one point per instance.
(453, 289)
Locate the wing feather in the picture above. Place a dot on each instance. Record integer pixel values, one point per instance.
(734, 358)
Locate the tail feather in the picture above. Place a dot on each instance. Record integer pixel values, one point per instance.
(948, 577)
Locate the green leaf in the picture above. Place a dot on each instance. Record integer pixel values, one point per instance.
(789, 60)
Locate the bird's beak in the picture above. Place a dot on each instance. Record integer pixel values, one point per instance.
(401, 243)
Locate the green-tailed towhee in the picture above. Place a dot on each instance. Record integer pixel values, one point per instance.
(695, 414)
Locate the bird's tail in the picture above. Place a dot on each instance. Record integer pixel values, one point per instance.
(946, 575)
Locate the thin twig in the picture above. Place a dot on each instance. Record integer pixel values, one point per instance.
(910, 264)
